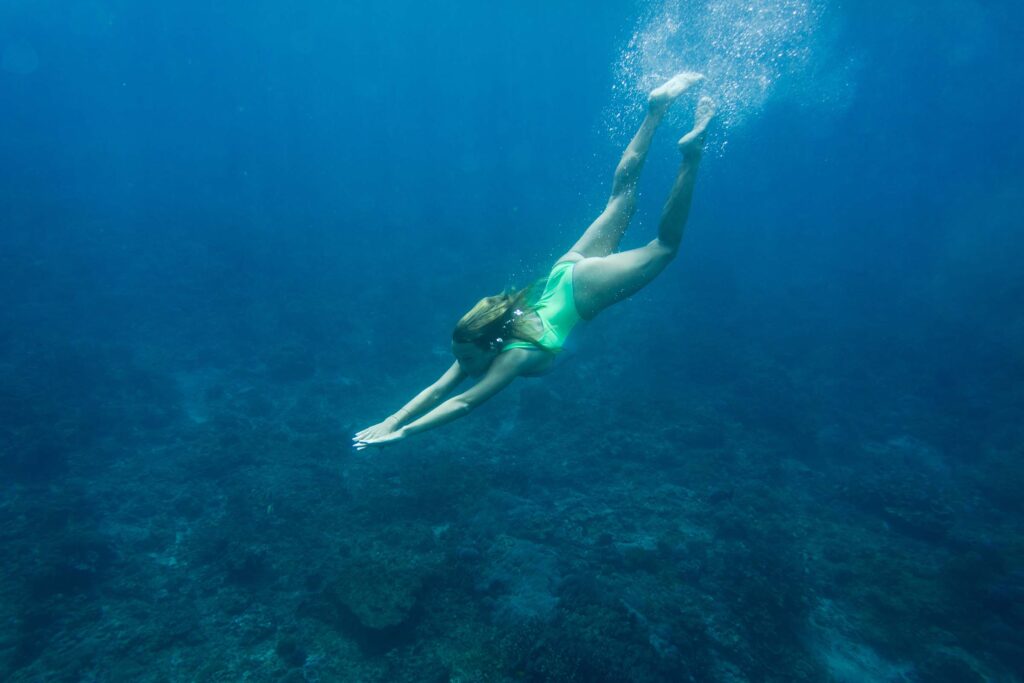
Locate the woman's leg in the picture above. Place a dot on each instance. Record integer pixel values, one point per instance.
(602, 281)
(604, 234)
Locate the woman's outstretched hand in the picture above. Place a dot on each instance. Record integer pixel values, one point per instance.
(378, 435)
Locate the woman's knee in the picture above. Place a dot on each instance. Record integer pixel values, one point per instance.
(627, 173)
(662, 251)
(629, 166)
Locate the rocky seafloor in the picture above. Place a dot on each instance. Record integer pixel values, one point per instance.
(210, 523)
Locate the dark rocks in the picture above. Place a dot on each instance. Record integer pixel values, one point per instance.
(378, 597)
(290, 652)
(291, 363)
(247, 566)
(37, 461)
(716, 496)
(79, 566)
(945, 666)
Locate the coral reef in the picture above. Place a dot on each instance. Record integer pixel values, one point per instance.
(223, 533)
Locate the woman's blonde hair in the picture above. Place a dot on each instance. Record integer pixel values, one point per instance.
(496, 320)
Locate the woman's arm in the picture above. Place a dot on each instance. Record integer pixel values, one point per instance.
(431, 396)
(502, 371)
(422, 402)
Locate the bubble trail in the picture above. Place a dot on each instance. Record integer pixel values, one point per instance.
(746, 48)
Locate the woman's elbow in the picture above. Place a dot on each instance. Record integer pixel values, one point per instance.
(464, 404)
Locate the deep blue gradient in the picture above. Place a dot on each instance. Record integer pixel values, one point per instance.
(232, 234)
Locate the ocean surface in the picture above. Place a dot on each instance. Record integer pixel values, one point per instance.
(233, 234)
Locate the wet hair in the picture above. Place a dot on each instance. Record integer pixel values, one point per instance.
(495, 320)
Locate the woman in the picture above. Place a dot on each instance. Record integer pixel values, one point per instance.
(509, 335)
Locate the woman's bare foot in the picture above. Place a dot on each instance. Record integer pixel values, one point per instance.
(666, 93)
(693, 142)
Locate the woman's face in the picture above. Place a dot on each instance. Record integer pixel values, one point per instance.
(472, 359)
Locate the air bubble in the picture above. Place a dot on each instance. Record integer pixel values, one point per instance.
(745, 49)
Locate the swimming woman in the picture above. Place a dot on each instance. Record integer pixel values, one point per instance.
(505, 336)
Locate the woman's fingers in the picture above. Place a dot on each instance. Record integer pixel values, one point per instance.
(370, 435)
(369, 431)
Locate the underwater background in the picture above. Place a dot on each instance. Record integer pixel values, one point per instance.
(234, 233)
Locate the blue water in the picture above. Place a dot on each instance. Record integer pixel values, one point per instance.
(233, 234)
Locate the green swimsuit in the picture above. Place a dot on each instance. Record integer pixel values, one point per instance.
(556, 308)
